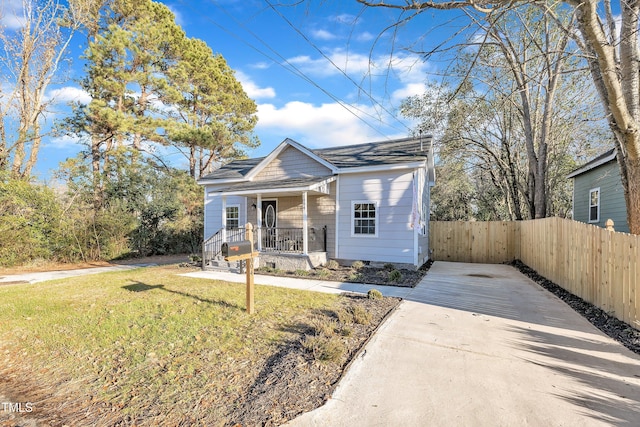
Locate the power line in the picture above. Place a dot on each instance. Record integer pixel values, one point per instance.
(312, 44)
(289, 66)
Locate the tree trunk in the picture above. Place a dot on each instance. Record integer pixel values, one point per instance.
(95, 169)
(540, 197)
(632, 194)
(33, 154)
(192, 160)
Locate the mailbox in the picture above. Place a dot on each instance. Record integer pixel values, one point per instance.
(242, 247)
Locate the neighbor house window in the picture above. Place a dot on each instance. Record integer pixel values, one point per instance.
(365, 215)
(594, 205)
(233, 217)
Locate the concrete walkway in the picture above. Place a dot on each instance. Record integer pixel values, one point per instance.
(479, 345)
(53, 275)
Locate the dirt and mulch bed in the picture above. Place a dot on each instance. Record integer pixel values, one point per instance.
(613, 327)
(388, 275)
(302, 376)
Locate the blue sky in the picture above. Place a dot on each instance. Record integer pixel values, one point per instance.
(345, 87)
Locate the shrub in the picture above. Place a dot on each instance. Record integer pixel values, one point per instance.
(374, 294)
(357, 265)
(346, 331)
(344, 316)
(355, 277)
(332, 264)
(324, 349)
(30, 217)
(301, 272)
(322, 326)
(389, 266)
(322, 273)
(395, 276)
(360, 315)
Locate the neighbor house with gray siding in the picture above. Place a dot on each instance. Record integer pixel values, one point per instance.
(366, 202)
(598, 194)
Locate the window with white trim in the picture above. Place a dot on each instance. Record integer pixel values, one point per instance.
(233, 217)
(594, 205)
(364, 218)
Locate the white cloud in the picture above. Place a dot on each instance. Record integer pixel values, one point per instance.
(261, 65)
(66, 142)
(177, 14)
(355, 64)
(69, 94)
(252, 89)
(390, 77)
(11, 14)
(360, 65)
(365, 36)
(345, 18)
(319, 126)
(323, 35)
(408, 90)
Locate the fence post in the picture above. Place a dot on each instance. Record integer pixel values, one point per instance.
(609, 225)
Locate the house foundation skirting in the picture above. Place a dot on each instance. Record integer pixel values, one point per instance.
(380, 264)
(292, 262)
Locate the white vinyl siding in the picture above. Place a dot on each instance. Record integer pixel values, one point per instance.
(213, 211)
(594, 205)
(391, 191)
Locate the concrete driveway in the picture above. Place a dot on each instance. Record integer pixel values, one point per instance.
(482, 345)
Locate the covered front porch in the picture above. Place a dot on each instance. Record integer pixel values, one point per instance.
(292, 221)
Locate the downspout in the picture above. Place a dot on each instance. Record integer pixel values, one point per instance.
(337, 227)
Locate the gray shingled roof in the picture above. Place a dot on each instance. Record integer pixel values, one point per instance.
(350, 156)
(376, 153)
(235, 169)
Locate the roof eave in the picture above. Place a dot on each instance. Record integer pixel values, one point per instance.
(209, 181)
(273, 190)
(593, 165)
(384, 167)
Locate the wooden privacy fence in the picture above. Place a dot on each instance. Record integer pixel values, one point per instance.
(490, 242)
(600, 266)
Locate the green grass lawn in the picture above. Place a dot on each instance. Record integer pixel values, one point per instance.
(145, 344)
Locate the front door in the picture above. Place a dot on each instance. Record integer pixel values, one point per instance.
(269, 224)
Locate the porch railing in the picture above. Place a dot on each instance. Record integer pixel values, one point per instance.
(290, 240)
(279, 239)
(212, 247)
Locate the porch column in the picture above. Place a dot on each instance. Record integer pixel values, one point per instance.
(224, 218)
(259, 220)
(305, 231)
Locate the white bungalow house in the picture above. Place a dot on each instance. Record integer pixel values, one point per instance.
(366, 202)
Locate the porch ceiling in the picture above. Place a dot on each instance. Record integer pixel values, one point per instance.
(318, 185)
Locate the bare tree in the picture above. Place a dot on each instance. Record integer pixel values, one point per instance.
(614, 62)
(31, 56)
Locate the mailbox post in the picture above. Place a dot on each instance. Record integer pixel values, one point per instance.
(238, 251)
